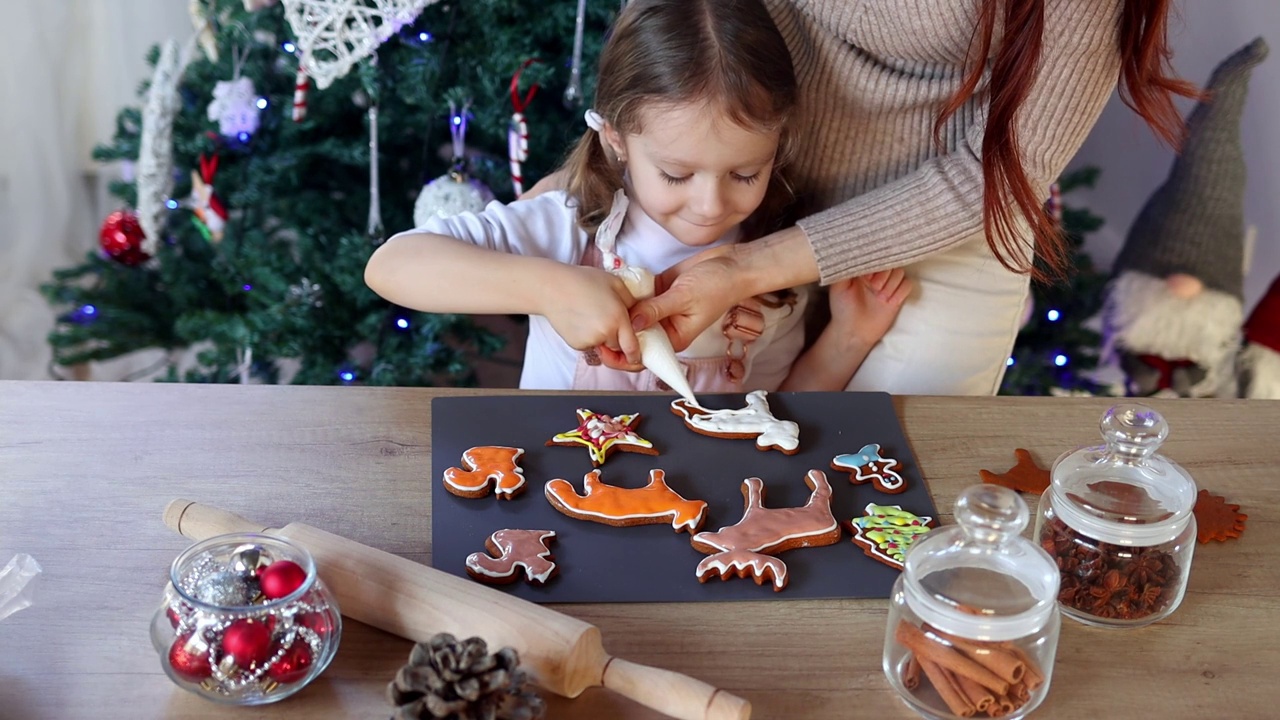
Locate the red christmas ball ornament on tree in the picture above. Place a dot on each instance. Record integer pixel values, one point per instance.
(248, 641)
(190, 660)
(293, 665)
(121, 238)
(281, 578)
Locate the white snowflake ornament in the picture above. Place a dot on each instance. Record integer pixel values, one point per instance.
(235, 107)
(333, 35)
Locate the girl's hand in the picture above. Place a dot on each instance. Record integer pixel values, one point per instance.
(865, 307)
(588, 307)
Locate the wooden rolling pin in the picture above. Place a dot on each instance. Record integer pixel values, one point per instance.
(562, 654)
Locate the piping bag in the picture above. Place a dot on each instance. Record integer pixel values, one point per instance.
(656, 352)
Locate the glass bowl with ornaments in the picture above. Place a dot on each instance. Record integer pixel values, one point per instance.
(245, 620)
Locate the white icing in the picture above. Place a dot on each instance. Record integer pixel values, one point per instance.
(473, 561)
(754, 419)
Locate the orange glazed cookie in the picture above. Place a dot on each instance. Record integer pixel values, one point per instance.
(515, 550)
(487, 464)
(611, 505)
(602, 435)
(744, 549)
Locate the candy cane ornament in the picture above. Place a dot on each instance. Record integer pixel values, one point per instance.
(518, 129)
(300, 86)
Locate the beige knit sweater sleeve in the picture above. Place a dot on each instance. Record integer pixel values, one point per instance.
(873, 75)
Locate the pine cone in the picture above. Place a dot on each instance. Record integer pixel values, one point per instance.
(450, 680)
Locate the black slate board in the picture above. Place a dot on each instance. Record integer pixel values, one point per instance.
(652, 563)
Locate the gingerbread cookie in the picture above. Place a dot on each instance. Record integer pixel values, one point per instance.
(753, 421)
(886, 532)
(867, 466)
(744, 549)
(487, 464)
(1025, 476)
(602, 435)
(1216, 519)
(611, 505)
(513, 551)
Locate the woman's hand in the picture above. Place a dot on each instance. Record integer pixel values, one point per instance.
(588, 307)
(690, 297)
(694, 294)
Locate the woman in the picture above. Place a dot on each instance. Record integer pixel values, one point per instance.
(909, 153)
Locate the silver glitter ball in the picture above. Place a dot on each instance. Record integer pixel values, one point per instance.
(248, 559)
(224, 588)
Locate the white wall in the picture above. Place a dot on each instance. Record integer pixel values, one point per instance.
(1133, 164)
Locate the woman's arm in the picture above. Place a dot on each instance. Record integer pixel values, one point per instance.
(928, 210)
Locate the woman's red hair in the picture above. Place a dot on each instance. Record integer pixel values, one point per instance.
(1147, 84)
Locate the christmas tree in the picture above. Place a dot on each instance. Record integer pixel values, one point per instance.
(260, 193)
(1056, 352)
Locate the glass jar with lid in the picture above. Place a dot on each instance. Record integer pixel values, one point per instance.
(973, 619)
(1117, 519)
(245, 620)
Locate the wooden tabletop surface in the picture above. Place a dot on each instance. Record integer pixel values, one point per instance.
(86, 470)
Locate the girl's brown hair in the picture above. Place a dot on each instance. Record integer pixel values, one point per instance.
(1147, 85)
(725, 53)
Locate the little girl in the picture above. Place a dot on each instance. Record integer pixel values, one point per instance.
(683, 154)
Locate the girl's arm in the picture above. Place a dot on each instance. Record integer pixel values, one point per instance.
(436, 273)
(862, 311)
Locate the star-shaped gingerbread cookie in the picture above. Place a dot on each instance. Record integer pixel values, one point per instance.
(1216, 519)
(1026, 476)
(602, 435)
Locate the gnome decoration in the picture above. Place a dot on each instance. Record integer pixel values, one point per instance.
(1259, 365)
(1174, 305)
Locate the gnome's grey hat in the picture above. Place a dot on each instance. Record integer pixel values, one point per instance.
(1194, 223)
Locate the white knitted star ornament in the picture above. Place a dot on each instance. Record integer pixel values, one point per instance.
(333, 35)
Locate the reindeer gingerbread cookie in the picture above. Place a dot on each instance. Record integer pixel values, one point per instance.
(746, 548)
(753, 421)
(622, 507)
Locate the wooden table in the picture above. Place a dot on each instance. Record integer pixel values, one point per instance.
(86, 470)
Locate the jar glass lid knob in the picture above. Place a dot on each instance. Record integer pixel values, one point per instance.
(990, 514)
(1134, 429)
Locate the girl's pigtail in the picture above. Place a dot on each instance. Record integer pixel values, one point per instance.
(593, 178)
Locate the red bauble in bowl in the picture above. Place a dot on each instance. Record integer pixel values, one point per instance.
(281, 578)
(248, 641)
(189, 658)
(293, 665)
(121, 238)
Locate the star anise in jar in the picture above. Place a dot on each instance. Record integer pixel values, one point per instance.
(1145, 569)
